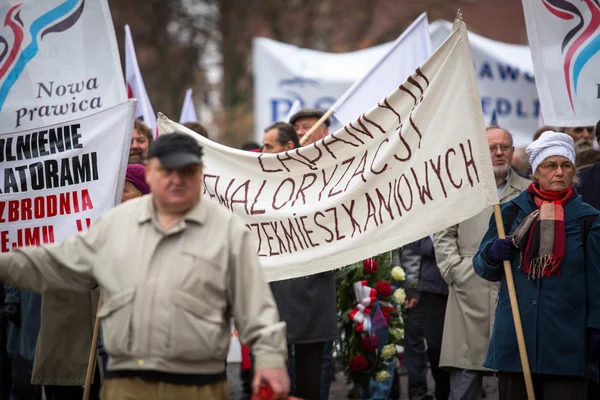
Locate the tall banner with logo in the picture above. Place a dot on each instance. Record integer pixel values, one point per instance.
(284, 73)
(565, 42)
(414, 164)
(58, 61)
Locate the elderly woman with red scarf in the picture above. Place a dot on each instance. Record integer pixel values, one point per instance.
(553, 245)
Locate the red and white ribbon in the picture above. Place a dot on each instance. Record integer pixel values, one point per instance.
(365, 296)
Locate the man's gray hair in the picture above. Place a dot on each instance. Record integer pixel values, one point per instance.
(490, 127)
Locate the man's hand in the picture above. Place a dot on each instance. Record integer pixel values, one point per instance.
(412, 298)
(411, 303)
(277, 378)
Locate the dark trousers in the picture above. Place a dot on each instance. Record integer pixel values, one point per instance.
(415, 352)
(308, 370)
(63, 392)
(546, 387)
(593, 390)
(22, 389)
(305, 368)
(327, 373)
(434, 308)
(5, 362)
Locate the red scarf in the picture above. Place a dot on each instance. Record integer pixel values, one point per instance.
(541, 236)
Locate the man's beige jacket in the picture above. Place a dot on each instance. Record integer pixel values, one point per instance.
(168, 296)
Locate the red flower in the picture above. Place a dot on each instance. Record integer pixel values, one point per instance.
(358, 363)
(370, 343)
(384, 289)
(265, 392)
(370, 265)
(387, 316)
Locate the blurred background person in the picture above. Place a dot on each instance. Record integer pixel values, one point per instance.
(141, 138)
(583, 137)
(135, 182)
(469, 312)
(589, 189)
(198, 128)
(304, 119)
(432, 300)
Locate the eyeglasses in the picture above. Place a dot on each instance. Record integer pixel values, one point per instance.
(504, 147)
(552, 166)
(186, 171)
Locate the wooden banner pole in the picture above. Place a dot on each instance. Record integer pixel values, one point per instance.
(317, 124)
(93, 352)
(512, 294)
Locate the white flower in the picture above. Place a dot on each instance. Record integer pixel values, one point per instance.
(398, 274)
(388, 351)
(399, 296)
(397, 333)
(382, 376)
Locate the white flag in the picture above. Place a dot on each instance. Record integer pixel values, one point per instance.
(135, 84)
(188, 111)
(409, 51)
(413, 165)
(565, 45)
(296, 106)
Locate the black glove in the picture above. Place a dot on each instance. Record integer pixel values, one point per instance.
(594, 343)
(499, 251)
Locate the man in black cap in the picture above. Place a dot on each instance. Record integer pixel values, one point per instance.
(174, 268)
(304, 119)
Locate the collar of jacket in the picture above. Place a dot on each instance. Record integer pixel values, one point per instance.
(575, 208)
(198, 213)
(514, 184)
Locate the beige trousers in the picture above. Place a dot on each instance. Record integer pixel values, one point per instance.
(139, 389)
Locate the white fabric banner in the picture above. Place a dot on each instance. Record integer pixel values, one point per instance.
(135, 84)
(60, 178)
(409, 51)
(58, 61)
(284, 73)
(296, 106)
(565, 44)
(412, 166)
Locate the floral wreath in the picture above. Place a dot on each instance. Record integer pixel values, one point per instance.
(370, 303)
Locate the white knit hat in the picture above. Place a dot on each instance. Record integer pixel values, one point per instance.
(550, 144)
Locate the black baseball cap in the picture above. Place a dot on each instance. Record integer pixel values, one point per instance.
(174, 150)
(309, 113)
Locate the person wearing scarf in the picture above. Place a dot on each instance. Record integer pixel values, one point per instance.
(557, 282)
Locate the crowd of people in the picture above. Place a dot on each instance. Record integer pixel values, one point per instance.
(167, 301)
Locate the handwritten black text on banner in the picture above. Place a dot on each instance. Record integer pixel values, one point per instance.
(416, 163)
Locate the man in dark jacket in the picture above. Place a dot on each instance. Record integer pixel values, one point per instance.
(589, 189)
(23, 310)
(431, 301)
(5, 361)
(307, 305)
(589, 186)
